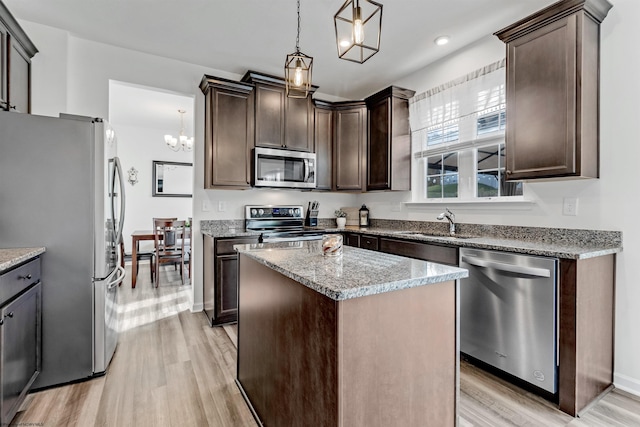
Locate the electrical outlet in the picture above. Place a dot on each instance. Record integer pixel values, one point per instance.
(222, 206)
(205, 206)
(570, 206)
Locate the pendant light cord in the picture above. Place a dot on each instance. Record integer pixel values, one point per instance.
(298, 36)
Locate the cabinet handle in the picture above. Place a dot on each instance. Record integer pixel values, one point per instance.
(27, 277)
(508, 172)
(9, 315)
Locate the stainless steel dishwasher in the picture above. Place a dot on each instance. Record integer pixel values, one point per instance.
(508, 314)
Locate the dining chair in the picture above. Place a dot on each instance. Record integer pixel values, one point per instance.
(168, 246)
(187, 245)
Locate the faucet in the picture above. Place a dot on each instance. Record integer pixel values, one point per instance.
(451, 218)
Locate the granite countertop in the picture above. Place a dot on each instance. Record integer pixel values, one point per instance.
(552, 242)
(560, 249)
(13, 256)
(355, 273)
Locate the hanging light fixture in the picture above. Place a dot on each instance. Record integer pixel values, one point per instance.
(297, 70)
(358, 26)
(181, 142)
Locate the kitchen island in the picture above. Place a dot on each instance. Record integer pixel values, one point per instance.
(365, 338)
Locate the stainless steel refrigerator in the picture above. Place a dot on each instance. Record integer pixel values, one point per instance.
(61, 187)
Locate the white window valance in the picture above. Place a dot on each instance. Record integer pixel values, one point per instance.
(451, 110)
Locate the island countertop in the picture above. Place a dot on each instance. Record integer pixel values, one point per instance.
(355, 273)
(13, 256)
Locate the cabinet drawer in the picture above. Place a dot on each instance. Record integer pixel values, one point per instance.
(424, 251)
(225, 246)
(369, 242)
(351, 239)
(15, 281)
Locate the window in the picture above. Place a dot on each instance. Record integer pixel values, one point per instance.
(490, 181)
(458, 139)
(442, 176)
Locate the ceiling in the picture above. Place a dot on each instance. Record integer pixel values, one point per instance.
(240, 35)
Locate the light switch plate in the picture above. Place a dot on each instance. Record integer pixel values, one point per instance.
(205, 206)
(222, 206)
(570, 206)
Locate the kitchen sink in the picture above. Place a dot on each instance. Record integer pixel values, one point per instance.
(442, 236)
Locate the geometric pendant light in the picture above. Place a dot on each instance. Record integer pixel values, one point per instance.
(297, 70)
(358, 26)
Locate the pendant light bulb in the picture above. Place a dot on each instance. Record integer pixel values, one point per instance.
(358, 28)
(297, 75)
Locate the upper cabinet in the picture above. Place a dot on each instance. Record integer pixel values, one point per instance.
(389, 146)
(228, 132)
(16, 51)
(350, 146)
(552, 91)
(323, 141)
(280, 122)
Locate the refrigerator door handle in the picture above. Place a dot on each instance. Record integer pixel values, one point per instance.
(117, 228)
(119, 277)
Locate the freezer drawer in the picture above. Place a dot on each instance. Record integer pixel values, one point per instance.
(508, 314)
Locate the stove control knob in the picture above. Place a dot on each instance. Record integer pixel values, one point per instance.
(288, 211)
(297, 212)
(253, 212)
(260, 212)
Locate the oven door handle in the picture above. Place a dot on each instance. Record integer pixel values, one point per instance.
(518, 269)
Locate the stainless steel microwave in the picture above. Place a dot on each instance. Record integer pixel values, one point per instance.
(284, 168)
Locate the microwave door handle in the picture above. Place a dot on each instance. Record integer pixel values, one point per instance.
(305, 162)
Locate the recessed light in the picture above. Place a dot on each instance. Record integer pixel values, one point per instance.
(442, 40)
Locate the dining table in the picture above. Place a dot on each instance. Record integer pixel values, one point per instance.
(136, 237)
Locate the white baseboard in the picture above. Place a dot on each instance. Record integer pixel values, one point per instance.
(197, 307)
(626, 383)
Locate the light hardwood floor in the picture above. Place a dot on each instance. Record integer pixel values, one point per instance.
(172, 369)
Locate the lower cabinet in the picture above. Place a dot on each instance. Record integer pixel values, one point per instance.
(364, 241)
(221, 278)
(424, 251)
(20, 336)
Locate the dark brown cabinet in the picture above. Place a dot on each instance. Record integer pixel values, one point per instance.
(280, 122)
(419, 250)
(228, 133)
(16, 51)
(389, 144)
(349, 146)
(323, 140)
(220, 278)
(552, 91)
(352, 239)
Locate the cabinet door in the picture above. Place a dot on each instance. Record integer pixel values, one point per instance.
(226, 288)
(378, 159)
(541, 102)
(324, 147)
(352, 239)
(298, 133)
(4, 44)
(19, 76)
(350, 149)
(423, 251)
(228, 139)
(270, 103)
(208, 278)
(369, 242)
(20, 349)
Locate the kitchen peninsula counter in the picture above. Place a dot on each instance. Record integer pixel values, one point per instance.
(365, 338)
(10, 257)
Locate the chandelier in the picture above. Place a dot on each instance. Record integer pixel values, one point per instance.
(358, 26)
(297, 70)
(181, 142)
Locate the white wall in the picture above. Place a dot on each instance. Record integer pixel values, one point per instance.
(139, 147)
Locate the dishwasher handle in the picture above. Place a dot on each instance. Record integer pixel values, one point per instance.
(500, 266)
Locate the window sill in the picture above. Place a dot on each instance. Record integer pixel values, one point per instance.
(516, 203)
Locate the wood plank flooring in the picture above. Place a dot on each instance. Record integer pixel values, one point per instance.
(172, 369)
